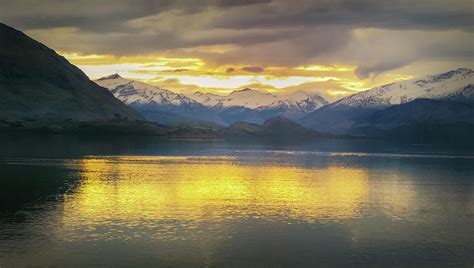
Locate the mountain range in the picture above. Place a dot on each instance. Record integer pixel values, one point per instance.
(292, 104)
(166, 107)
(433, 99)
(41, 89)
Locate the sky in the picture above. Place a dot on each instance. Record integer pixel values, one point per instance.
(331, 47)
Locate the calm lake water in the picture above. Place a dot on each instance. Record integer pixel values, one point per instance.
(145, 202)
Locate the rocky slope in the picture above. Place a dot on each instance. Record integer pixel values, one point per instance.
(37, 84)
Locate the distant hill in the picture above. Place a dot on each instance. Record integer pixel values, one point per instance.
(276, 128)
(38, 85)
(423, 111)
(422, 120)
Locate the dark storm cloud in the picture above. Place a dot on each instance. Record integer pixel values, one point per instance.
(99, 16)
(312, 43)
(398, 14)
(379, 51)
(265, 32)
(108, 14)
(234, 3)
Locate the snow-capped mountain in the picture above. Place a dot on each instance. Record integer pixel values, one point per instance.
(453, 84)
(164, 106)
(359, 110)
(247, 98)
(138, 93)
(303, 101)
(156, 104)
(253, 99)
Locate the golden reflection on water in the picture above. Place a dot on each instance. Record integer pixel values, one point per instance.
(179, 197)
(134, 190)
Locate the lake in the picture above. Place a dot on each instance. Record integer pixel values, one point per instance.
(147, 202)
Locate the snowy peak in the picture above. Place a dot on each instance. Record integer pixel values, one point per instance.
(207, 99)
(112, 81)
(244, 90)
(249, 92)
(304, 101)
(460, 72)
(146, 97)
(440, 86)
(250, 98)
(112, 76)
(247, 98)
(199, 93)
(254, 99)
(138, 93)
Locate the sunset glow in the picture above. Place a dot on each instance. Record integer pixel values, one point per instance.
(215, 46)
(187, 75)
(236, 133)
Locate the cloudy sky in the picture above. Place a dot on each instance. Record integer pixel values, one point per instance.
(335, 47)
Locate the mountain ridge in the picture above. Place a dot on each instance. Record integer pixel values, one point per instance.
(255, 99)
(38, 84)
(438, 86)
(342, 116)
(239, 105)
